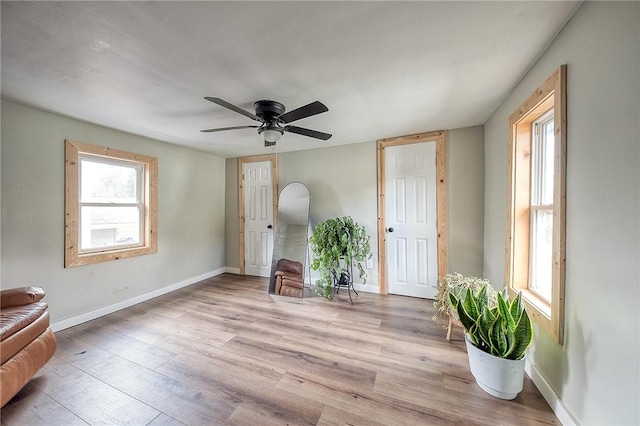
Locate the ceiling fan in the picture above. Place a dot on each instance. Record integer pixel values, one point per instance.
(272, 116)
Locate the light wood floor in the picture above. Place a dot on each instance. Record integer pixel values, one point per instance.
(223, 351)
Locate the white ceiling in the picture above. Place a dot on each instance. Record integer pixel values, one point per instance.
(383, 69)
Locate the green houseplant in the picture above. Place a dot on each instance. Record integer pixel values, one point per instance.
(502, 329)
(333, 240)
(498, 334)
(456, 283)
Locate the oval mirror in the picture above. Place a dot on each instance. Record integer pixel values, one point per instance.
(290, 241)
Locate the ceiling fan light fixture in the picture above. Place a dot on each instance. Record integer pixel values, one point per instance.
(271, 134)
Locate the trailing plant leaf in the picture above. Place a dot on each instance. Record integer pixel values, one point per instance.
(456, 284)
(333, 240)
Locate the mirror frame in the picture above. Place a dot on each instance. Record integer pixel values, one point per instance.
(278, 241)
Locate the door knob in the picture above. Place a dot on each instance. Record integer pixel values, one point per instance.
(269, 226)
(390, 229)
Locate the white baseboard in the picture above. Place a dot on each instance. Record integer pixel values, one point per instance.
(367, 288)
(88, 316)
(554, 401)
(231, 270)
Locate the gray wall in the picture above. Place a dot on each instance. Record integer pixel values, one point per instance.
(231, 230)
(343, 181)
(465, 198)
(190, 215)
(595, 373)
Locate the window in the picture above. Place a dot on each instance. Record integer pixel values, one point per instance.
(535, 247)
(541, 207)
(111, 204)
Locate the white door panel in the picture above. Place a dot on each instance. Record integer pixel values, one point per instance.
(258, 202)
(411, 219)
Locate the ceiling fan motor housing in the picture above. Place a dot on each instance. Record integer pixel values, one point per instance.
(269, 110)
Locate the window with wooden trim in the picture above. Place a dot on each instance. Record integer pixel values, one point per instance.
(111, 204)
(535, 247)
(541, 206)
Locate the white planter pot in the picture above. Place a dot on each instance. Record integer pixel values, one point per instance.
(502, 378)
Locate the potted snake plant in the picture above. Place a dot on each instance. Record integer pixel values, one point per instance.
(498, 333)
(337, 242)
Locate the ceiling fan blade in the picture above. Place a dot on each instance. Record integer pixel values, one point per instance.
(303, 112)
(307, 132)
(222, 129)
(233, 108)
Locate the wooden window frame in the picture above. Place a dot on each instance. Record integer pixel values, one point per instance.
(73, 257)
(551, 94)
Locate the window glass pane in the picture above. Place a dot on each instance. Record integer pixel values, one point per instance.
(108, 183)
(542, 253)
(546, 159)
(109, 226)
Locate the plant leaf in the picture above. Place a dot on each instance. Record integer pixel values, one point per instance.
(453, 300)
(523, 336)
(338, 241)
(511, 342)
(517, 307)
(483, 296)
(485, 322)
(470, 305)
(505, 293)
(498, 337)
(466, 320)
(472, 332)
(508, 321)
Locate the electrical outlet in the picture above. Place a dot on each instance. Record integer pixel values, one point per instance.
(369, 263)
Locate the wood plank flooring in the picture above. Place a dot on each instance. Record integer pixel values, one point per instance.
(223, 351)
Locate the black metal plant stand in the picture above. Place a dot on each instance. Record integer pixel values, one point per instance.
(345, 280)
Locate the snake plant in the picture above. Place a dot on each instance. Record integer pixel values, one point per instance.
(501, 328)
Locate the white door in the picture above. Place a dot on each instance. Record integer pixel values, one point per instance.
(411, 219)
(258, 218)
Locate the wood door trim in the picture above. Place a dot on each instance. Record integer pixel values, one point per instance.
(274, 187)
(441, 199)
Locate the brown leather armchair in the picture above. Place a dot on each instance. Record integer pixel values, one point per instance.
(289, 278)
(27, 342)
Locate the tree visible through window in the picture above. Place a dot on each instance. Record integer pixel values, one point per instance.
(111, 204)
